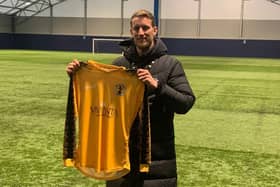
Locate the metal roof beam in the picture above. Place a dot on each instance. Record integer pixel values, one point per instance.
(26, 7)
(277, 2)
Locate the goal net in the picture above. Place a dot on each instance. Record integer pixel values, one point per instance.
(106, 45)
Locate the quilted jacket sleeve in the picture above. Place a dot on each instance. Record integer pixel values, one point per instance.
(177, 92)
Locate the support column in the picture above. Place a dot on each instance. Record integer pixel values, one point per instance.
(85, 19)
(156, 11)
(51, 18)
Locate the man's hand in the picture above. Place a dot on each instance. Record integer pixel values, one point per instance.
(72, 67)
(146, 77)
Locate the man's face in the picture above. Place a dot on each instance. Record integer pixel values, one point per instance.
(143, 33)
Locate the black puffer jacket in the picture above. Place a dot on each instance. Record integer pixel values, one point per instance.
(174, 95)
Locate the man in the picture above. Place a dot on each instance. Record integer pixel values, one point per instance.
(168, 92)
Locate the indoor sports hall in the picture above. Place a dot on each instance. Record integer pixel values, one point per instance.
(230, 51)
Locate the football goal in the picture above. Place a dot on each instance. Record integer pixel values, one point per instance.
(106, 45)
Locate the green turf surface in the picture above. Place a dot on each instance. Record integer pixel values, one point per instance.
(230, 138)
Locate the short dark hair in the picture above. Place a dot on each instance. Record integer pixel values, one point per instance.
(143, 13)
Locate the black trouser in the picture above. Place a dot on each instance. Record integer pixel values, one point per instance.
(125, 182)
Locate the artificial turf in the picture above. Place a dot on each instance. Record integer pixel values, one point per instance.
(231, 137)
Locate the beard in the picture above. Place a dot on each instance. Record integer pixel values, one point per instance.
(143, 44)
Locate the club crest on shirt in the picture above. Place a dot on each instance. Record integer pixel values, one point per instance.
(120, 89)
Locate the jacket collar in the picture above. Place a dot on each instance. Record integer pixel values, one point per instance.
(157, 51)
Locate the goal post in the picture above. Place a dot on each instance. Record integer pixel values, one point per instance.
(106, 45)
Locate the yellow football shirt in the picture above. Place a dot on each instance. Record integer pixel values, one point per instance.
(107, 99)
